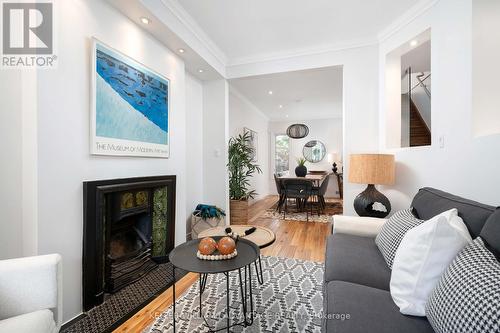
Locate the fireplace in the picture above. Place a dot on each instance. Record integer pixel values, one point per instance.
(129, 227)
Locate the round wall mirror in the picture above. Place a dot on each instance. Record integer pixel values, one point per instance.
(314, 151)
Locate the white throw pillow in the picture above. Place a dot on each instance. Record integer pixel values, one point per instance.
(422, 257)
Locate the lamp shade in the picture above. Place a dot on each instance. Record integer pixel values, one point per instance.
(377, 169)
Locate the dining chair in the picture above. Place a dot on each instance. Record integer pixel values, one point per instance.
(300, 190)
(320, 192)
(280, 190)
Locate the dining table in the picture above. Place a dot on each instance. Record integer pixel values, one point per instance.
(316, 178)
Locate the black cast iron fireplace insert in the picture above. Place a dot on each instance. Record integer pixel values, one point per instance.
(128, 228)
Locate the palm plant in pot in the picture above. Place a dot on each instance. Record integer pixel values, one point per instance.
(241, 168)
(301, 169)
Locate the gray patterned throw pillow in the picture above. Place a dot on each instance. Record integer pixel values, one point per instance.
(467, 298)
(393, 231)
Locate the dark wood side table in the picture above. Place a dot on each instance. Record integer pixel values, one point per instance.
(184, 257)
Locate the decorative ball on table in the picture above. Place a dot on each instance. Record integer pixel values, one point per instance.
(226, 245)
(207, 246)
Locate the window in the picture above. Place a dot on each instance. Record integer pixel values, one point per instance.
(281, 154)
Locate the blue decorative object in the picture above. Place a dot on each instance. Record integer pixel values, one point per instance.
(208, 211)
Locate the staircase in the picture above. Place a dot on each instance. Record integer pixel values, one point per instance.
(420, 135)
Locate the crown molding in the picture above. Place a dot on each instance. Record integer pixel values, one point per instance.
(409, 16)
(244, 99)
(187, 20)
(310, 51)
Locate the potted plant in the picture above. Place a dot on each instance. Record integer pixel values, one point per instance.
(206, 217)
(240, 168)
(301, 170)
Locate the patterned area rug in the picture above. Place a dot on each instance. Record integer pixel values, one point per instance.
(290, 300)
(123, 304)
(333, 207)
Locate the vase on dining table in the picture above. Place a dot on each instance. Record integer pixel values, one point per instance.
(301, 169)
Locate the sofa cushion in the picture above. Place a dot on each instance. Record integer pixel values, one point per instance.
(353, 308)
(429, 202)
(491, 233)
(467, 298)
(356, 259)
(393, 231)
(41, 321)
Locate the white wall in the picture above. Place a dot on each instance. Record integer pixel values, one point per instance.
(215, 134)
(242, 113)
(485, 69)
(328, 131)
(465, 165)
(194, 146)
(11, 230)
(63, 132)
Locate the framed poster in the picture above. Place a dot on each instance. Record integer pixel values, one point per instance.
(253, 141)
(130, 106)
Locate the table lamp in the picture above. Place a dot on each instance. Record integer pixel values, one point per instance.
(372, 169)
(332, 158)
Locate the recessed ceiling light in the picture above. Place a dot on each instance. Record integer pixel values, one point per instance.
(414, 43)
(200, 70)
(281, 106)
(145, 20)
(286, 116)
(270, 92)
(181, 50)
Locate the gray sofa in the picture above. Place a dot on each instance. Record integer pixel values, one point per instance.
(356, 289)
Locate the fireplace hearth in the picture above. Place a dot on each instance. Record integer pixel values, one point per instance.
(129, 227)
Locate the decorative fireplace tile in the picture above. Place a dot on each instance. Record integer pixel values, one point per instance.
(159, 221)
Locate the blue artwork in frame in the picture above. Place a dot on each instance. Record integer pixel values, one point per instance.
(130, 106)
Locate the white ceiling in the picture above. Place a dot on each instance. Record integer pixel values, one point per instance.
(247, 30)
(304, 95)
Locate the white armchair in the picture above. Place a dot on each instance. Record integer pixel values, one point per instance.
(31, 294)
(358, 226)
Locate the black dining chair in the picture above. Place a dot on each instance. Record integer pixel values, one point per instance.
(319, 193)
(281, 192)
(300, 190)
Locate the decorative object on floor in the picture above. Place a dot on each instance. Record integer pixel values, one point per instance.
(467, 298)
(207, 246)
(252, 142)
(301, 169)
(292, 289)
(332, 207)
(241, 169)
(314, 151)
(248, 252)
(124, 304)
(297, 131)
(206, 217)
(423, 255)
(372, 169)
(130, 106)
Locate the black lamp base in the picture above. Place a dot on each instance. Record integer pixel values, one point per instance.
(363, 204)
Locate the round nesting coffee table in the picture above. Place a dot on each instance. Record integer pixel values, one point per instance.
(262, 237)
(184, 257)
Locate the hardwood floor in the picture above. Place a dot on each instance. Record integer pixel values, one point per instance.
(300, 240)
